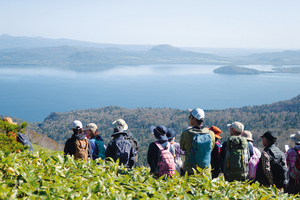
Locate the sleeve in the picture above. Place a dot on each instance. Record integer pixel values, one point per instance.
(132, 158)
(90, 149)
(182, 141)
(109, 150)
(265, 158)
(223, 155)
(150, 158)
(66, 148)
(94, 149)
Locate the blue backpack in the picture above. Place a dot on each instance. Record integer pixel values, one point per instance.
(101, 149)
(201, 150)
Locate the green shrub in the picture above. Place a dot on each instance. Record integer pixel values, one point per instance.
(36, 175)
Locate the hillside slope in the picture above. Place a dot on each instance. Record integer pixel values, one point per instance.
(281, 117)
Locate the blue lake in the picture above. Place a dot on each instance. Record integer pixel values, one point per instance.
(32, 94)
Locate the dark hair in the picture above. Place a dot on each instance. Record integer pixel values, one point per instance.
(200, 121)
(78, 130)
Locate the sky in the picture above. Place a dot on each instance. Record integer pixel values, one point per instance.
(180, 23)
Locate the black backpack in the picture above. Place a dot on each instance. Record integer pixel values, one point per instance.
(279, 171)
(22, 138)
(122, 151)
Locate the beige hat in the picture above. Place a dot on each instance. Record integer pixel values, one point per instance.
(296, 137)
(9, 120)
(91, 126)
(247, 135)
(122, 123)
(237, 126)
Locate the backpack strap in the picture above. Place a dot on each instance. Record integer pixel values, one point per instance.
(160, 147)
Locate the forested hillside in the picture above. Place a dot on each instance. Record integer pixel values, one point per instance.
(281, 117)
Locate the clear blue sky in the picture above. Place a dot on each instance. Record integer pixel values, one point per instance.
(181, 23)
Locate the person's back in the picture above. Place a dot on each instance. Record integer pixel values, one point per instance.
(192, 159)
(272, 167)
(236, 166)
(96, 141)
(120, 148)
(78, 145)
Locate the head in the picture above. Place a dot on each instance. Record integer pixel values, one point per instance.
(160, 133)
(236, 128)
(268, 138)
(247, 135)
(171, 134)
(217, 132)
(76, 126)
(118, 131)
(196, 117)
(8, 120)
(296, 137)
(121, 123)
(91, 130)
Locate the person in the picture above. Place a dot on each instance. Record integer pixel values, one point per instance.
(236, 166)
(96, 141)
(254, 156)
(120, 148)
(196, 120)
(129, 136)
(215, 154)
(155, 148)
(73, 145)
(19, 137)
(272, 167)
(175, 149)
(291, 157)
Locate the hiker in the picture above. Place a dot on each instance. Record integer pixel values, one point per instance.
(272, 167)
(120, 148)
(78, 145)
(197, 153)
(254, 159)
(129, 136)
(159, 151)
(20, 137)
(96, 141)
(236, 166)
(215, 154)
(293, 165)
(175, 149)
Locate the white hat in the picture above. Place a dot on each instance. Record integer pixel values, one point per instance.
(122, 123)
(76, 124)
(296, 137)
(91, 126)
(197, 113)
(237, 126)
(247, 135)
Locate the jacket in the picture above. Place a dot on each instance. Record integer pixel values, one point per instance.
(122, 149)
(94, 148)
(186, 145)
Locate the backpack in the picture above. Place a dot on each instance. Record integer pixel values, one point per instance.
(122, 151)
(279, 171)
(101, 149)
(133, 141)
(165, 164)
(295, 171)
(22, 138)
(253, 162)
(236, 161)
(201, 149)
(81, 149)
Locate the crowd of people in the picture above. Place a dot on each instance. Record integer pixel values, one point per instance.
(199, 151)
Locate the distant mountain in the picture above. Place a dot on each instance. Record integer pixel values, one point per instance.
(11, 42)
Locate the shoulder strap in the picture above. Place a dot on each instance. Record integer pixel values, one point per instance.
(159, 146)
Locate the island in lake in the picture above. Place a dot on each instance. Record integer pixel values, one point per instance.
(233, 69)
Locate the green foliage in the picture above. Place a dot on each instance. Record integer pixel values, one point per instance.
(37, 176)
(8, 141)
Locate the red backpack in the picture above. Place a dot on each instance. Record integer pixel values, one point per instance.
(165, 164)
(295, 172)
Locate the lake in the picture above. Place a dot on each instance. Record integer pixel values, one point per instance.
(32, 94)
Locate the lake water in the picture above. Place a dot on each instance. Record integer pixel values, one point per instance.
(32, 94)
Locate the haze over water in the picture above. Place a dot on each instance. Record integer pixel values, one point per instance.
(32, 94)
